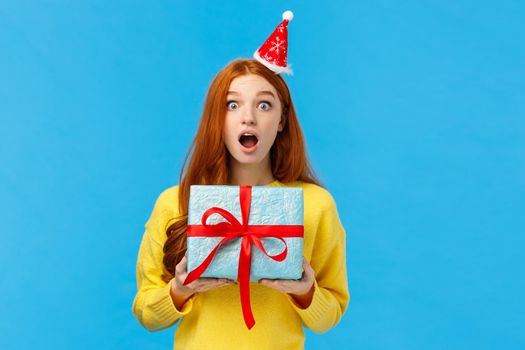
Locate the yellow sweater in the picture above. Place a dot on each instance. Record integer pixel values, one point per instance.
(213, 319)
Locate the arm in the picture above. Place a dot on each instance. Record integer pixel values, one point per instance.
(155, 303)
(330, 295)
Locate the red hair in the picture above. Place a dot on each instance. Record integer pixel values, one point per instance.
(209, 158)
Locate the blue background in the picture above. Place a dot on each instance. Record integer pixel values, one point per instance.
(413, 115)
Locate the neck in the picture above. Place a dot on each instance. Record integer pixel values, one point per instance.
(251, 174)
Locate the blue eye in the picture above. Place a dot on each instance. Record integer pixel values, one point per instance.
(229, 103)
(266, 103)
(232, 105)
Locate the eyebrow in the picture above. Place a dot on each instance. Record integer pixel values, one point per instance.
(264, 92)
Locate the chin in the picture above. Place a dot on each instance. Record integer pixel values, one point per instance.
(246, 159)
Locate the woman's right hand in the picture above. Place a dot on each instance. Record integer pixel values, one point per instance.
(201, 284)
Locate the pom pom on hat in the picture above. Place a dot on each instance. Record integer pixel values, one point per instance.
(288, 15)
(273, 52)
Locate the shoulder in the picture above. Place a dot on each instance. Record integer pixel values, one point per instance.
(168, 196)
(321, 218)
(319, 204)
(166, 209)
(317, 195)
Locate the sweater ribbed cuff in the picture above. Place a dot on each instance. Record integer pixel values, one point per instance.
(165, 309)
(315, 310)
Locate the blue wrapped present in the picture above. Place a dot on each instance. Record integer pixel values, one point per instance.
(268, 217)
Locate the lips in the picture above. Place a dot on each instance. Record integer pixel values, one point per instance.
(248, 141)
(248, 132)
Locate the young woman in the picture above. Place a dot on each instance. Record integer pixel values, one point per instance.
(249, 134)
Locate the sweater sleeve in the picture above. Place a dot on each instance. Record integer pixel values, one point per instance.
(331, 295)
(153, 306)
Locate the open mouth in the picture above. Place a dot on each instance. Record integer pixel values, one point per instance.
(248, 140)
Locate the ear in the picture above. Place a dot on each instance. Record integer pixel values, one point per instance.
(281, 125)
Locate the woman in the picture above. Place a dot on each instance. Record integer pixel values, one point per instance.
(249, 134)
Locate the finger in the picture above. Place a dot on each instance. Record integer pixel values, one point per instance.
(267, 281)
(207, 285)
(214, 281)
(304, 277)
(308, 268)
(182, 265)
(226, 283)
(310, 271)
(278, 285)
(226, 280)
(180, 282)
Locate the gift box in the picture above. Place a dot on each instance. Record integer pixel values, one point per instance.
(270, 205)
(245, 233)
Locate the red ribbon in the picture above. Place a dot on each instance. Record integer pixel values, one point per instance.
(250, 234)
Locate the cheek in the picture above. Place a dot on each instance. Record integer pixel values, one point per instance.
(272, 126)
(229, 134)
(226, 131)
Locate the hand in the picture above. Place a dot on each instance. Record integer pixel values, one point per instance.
(201, 284)
(299, 288)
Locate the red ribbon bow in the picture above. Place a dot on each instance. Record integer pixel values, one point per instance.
(250, 234)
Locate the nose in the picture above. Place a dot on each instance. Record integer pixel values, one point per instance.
(248, 117)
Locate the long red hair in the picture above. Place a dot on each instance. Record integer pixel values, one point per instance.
(209, 158)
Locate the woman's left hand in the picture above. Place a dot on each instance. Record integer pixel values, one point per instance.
(299, 288)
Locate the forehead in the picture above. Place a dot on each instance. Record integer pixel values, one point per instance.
(250, 84)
